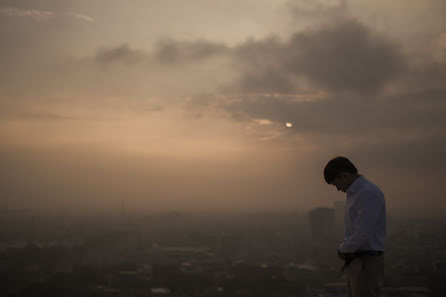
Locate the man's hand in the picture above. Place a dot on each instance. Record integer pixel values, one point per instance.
(343, 256)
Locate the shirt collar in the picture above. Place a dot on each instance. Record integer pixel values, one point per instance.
(354, 186)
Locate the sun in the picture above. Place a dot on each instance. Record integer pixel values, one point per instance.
(288, 124)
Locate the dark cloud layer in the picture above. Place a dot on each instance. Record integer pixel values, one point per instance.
(345, 57)
(168, 52)
(172, 51)
(346, 115)
(119, 54)
(351, 65)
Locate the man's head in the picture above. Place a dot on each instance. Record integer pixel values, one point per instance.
(341, 173)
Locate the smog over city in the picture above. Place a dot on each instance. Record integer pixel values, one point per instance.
(177, 148)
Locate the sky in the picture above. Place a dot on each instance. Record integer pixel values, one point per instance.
(220, 105)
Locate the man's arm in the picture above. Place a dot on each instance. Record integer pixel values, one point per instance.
(369, 206)
(343, 256)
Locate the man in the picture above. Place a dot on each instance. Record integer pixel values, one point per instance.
(365, 228)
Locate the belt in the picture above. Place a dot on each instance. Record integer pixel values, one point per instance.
(367, 253)
(359, 254)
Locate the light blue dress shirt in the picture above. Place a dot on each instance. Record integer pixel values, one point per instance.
(365, 218)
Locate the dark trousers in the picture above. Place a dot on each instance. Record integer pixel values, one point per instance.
(365, 276)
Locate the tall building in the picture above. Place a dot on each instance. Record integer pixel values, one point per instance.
(339, 208)
(322, 221)
(323, 236)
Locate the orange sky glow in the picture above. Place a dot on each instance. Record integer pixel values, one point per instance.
(229, 105)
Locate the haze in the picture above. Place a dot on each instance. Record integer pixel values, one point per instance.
(173, 105)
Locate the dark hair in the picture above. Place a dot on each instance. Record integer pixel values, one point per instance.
(336, 166)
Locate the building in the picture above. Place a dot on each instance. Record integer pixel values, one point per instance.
(321, 221)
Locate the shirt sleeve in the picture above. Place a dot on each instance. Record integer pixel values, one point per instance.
(368, 211)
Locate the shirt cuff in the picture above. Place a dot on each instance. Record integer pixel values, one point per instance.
(341, 248)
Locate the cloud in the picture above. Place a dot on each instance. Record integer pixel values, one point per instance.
(168, 52)
(317, 9)
(269, 81)
(430, 75)
(345, 60)
(173, 51)
(344, 57)
(119, 54)
(262, 67)
(39, 15)
(347, 115)
(82, 17)
(43, 15)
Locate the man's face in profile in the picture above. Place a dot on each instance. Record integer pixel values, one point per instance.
(342, 182)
